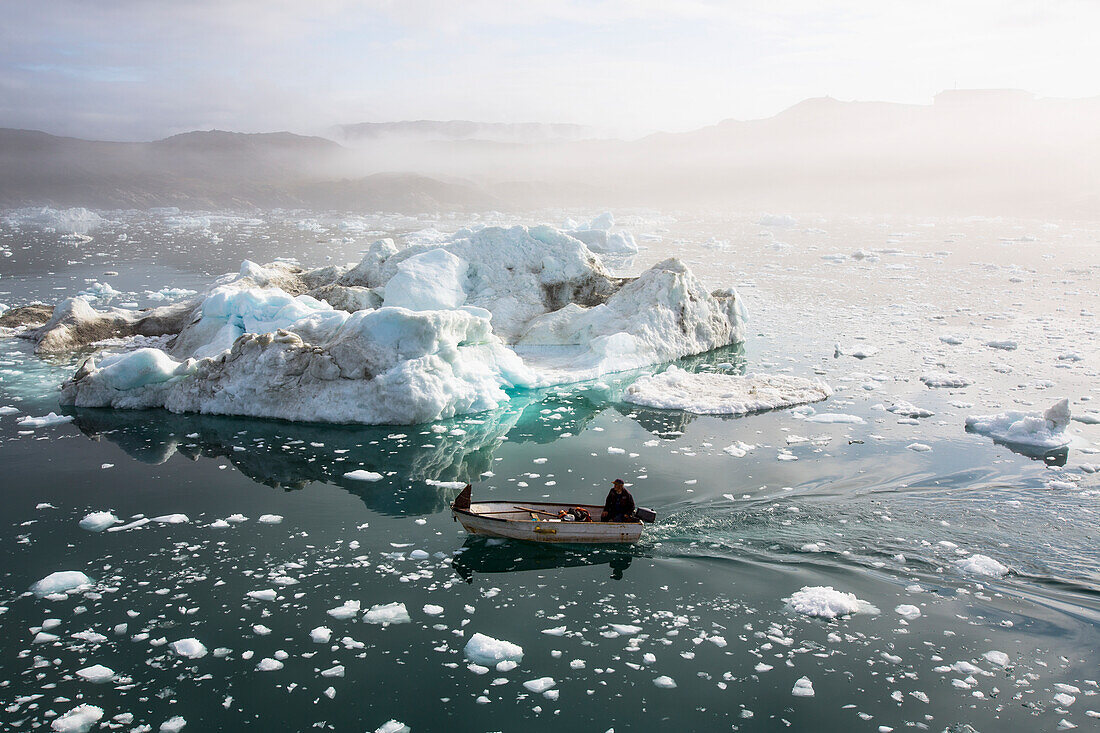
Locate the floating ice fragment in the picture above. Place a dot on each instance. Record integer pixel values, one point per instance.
(432, 610)
(346, 611)
(827, 602)
(78, 720)
(803, 687)
(665, 682)
(321, 634)
(919, 447)
(908, 611)
(267, 664)
(97, 674)
(270, 519)
(1014, 427)
(267, 594)
(542, 684)
(945, 381)
(999, 658)
(190, 648)
(482, 649)
(62, 581)
(98, 521)
(363, 475)
(981, 565)
(173, 725)
(388, 613)
(709, 393)
(44, 421)
(392, 726)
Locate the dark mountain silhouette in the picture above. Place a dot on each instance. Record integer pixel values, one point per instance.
(993, 152)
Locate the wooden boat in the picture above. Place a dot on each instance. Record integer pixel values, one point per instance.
(538, 521)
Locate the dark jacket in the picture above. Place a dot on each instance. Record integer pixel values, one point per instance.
(619, 503)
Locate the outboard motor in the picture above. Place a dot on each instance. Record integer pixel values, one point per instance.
(645, 514)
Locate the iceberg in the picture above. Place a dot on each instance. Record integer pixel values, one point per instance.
(428, 332)
(708, 393)
(1032, 429)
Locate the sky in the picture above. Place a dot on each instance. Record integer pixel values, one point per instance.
(141, 70)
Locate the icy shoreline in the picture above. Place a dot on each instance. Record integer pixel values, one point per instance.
(406, 336)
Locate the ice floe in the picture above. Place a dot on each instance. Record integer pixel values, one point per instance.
(1033, 429)
(709, 393)
(78, 720)
(483, 649)
(827, 602)
(981, 565)
(99, 521)
(63, 581)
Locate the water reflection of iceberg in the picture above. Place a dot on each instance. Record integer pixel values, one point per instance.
(480, 555)
(292, 455)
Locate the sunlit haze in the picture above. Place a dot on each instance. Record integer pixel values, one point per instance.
(131, 70)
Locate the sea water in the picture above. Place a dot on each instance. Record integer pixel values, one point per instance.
(244, 534)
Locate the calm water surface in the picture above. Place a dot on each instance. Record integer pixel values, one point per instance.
(849, 505)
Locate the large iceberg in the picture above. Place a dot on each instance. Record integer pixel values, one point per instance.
(409, 335)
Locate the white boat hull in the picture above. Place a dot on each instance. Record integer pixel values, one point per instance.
(511, 519)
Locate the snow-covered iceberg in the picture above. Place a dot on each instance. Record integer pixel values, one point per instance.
(709, 393)
(407, 335)
(1046, 430)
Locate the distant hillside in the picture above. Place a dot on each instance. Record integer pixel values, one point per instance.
(210, 169)
(523, 132)
(980, 152)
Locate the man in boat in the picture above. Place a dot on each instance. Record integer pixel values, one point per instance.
(619, 506)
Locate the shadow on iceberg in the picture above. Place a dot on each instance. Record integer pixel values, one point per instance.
(481, 555)
(290, 456)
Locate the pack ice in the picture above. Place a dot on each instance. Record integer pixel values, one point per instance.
(406, 336)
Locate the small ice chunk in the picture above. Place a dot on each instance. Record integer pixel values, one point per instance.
(173, 725)
(98, 521)
(907, 611)
(363, 475)
(346, 611)
(665, 682)
(943, 380)
(542, 684)
(44, 421)
(267, 594)
(803, 687)
(392, 726)
(1046, 430)
(432, 610)
(191, 648)
(321, 634)
(999, 658)
(78, 720)
(97, 674)
(267, 664)
(981, 565)
(483, 649)
(62, 581)
(387, 613)
(827, 602)
(270, 518)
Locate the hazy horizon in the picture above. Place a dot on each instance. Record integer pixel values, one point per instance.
(131, 71)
